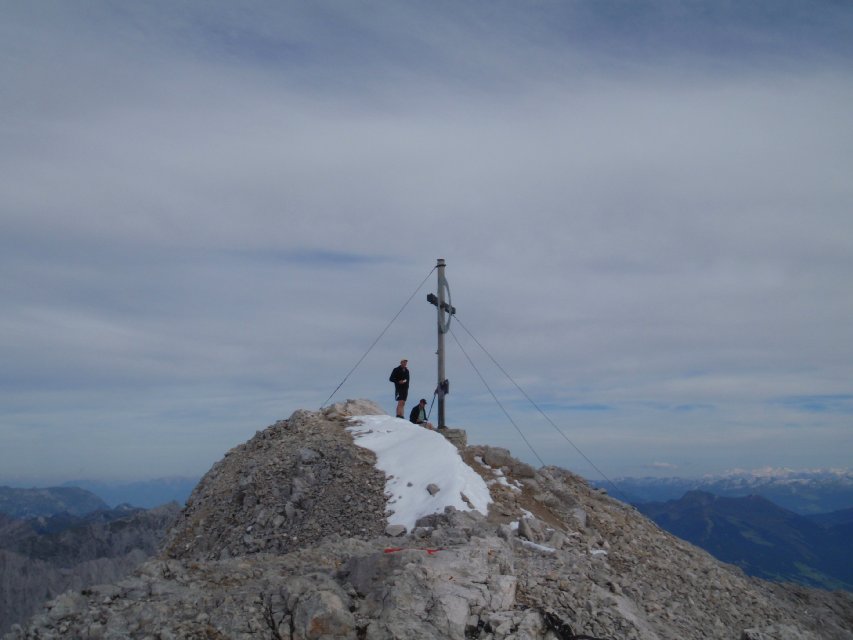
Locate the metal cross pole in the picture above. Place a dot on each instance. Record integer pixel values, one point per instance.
(445, 311)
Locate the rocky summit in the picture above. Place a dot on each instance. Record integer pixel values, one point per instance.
(286, 538)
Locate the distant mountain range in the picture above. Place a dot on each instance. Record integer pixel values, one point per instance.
(804, 492)
(144, 493)
(34, 503)
(763, 539)
(79, 497)
(57, 538)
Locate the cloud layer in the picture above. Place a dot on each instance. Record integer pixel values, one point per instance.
(210, 211)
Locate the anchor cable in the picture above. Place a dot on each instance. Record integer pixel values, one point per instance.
(544, 415)
(378, 338)
(506, 413)
(482, 379)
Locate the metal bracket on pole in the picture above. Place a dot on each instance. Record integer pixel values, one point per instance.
(445, 313)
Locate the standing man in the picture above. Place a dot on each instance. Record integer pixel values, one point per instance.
(400, 378)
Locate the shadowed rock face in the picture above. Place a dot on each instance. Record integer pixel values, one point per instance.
(42, 558)
(552, 559)
(762, 538)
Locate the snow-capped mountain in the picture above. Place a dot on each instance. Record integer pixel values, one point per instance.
(804, 491)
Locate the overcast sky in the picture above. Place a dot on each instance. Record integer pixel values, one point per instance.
(210, 210)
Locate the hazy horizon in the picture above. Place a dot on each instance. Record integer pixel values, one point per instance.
(23, 482)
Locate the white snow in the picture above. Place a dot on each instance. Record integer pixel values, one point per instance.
(506, 483)
(412, 458)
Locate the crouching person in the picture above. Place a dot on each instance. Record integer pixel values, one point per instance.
(418, 415)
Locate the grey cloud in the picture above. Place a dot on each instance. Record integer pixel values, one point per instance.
(642, 209)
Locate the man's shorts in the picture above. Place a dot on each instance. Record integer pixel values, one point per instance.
(401, 394)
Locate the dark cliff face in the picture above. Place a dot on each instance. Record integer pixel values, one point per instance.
(42, 557)
(762, 538)
(65, 540)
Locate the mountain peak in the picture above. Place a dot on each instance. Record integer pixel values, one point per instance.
(288, 537)
(32, 503)
(296, 481)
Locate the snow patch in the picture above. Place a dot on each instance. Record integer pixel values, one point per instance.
(412, 458)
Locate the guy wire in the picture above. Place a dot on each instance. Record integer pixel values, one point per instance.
(544, 415)
(379, 337)
(498, 402)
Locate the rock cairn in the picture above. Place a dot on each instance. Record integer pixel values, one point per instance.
(553, 559)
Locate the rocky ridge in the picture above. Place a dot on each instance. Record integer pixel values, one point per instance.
(100, 547)
(285, 538)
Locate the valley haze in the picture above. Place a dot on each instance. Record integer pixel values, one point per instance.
(210, 211)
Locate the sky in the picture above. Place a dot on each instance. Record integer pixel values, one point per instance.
(413, 458)
(212, 214)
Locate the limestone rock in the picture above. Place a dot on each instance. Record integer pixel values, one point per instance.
(457, 437)
(287, 487)
(496, 457)
(322, 614)
(525, 530)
